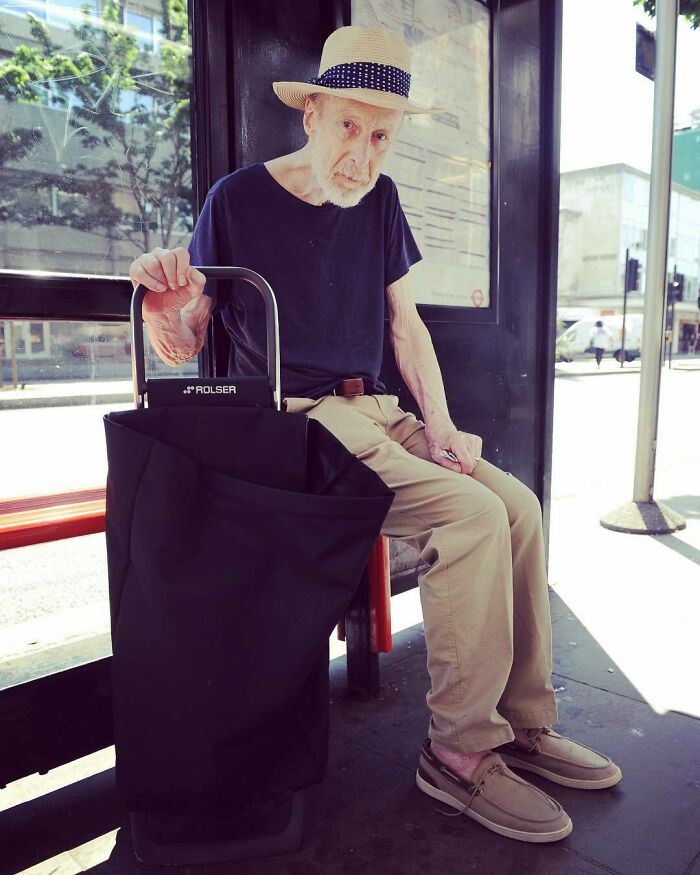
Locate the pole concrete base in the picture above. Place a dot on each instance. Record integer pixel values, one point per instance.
(643, 518)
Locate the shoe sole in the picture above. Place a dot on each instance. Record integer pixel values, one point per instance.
(562, 780)
(518, 835)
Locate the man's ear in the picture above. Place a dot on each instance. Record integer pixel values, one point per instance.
(310, 115)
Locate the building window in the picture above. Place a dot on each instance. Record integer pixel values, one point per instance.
(36, 336)
(60, 13)
(148, 29)
(37, 8)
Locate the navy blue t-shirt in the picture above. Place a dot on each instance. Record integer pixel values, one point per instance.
(328, 267)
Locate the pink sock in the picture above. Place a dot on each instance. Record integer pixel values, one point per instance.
(461, 763)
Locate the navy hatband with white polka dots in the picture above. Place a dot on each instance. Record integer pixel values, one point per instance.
(361, 74)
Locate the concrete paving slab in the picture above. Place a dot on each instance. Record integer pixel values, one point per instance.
(368, 816)
(642, 607)
(558, 608)
(659, 754)
(578, 656)
(650, 823)
(47, 827)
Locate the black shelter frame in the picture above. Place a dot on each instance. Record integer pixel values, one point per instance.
(498, 364)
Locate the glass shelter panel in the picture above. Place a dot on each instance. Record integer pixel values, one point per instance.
(441, 163)
(57, 380)
(95, 163)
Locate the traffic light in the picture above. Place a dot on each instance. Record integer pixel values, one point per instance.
(675, 288)
(632, 278)
(679, 283)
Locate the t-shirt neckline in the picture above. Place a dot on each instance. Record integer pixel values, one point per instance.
(292, 197)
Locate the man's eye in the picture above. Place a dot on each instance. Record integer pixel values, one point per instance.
(380, 135)
(347, 124)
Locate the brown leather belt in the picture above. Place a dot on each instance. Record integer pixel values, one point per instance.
(350, 387)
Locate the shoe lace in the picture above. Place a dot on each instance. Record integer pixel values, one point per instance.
(534, 735)
(493, 769)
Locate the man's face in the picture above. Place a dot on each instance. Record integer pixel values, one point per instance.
(348, 144)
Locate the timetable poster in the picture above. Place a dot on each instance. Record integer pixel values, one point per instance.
(441, 164)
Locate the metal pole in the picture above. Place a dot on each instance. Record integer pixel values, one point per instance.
(624, 307)
(672, 292)
(14, 375)
(673, 323)
(659, 205)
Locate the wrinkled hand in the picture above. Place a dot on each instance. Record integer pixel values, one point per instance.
(171, 280)
(466, 447)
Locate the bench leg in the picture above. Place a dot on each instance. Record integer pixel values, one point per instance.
(362, 664)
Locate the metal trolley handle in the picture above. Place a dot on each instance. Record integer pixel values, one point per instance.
(271, 322)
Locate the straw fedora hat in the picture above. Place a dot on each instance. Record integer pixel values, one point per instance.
(359, 63)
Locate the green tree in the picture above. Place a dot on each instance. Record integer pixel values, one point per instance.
(127, 107)
(689, 9)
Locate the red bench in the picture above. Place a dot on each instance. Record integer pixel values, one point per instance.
(36, 519)
(366, 627)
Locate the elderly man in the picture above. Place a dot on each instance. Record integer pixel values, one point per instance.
(326, 228)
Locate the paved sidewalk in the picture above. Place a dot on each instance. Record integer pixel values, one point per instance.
(50, 394)
(625, 655)
(626, 622)
(587, 366)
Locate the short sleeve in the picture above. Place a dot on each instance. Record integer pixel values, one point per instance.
(401, 249)
(205, 247)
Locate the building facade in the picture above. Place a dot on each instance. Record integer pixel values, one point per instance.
(603, 216)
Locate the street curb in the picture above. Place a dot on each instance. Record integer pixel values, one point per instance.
(558, 372)
(63, 401)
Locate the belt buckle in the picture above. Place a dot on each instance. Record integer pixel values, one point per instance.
(350, 387)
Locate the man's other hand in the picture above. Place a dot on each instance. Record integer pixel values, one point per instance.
(466, 447)
(172, 282)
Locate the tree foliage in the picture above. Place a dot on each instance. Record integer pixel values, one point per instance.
(689, 9)
(128, 109)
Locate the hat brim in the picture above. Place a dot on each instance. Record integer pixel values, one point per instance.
(294, 94)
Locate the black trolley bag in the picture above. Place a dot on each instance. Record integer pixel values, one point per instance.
(236, 536)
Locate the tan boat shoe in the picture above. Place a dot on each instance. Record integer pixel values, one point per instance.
(496, 798)
(561, 760)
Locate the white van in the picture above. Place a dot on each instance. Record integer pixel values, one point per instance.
(576, 340)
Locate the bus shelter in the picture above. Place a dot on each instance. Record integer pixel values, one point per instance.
(116, 157)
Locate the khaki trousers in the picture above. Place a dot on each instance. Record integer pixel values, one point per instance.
(484, 597)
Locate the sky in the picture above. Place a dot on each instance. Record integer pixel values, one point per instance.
(607, 107)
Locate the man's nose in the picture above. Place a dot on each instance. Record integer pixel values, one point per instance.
(360, 154)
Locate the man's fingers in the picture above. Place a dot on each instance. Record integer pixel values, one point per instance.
(139, 275)
(182, 262)
(196, 277)
(466, 461)
(464, 454)
(168, 262)
(195, 282)
(456, 459)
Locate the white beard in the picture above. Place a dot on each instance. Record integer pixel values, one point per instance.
(339, 195)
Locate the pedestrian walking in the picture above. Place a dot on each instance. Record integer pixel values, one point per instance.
(601, 338)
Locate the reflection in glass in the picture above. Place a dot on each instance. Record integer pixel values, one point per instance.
(441, 163)
(56, 381)
(49, 354)
(94, 133)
